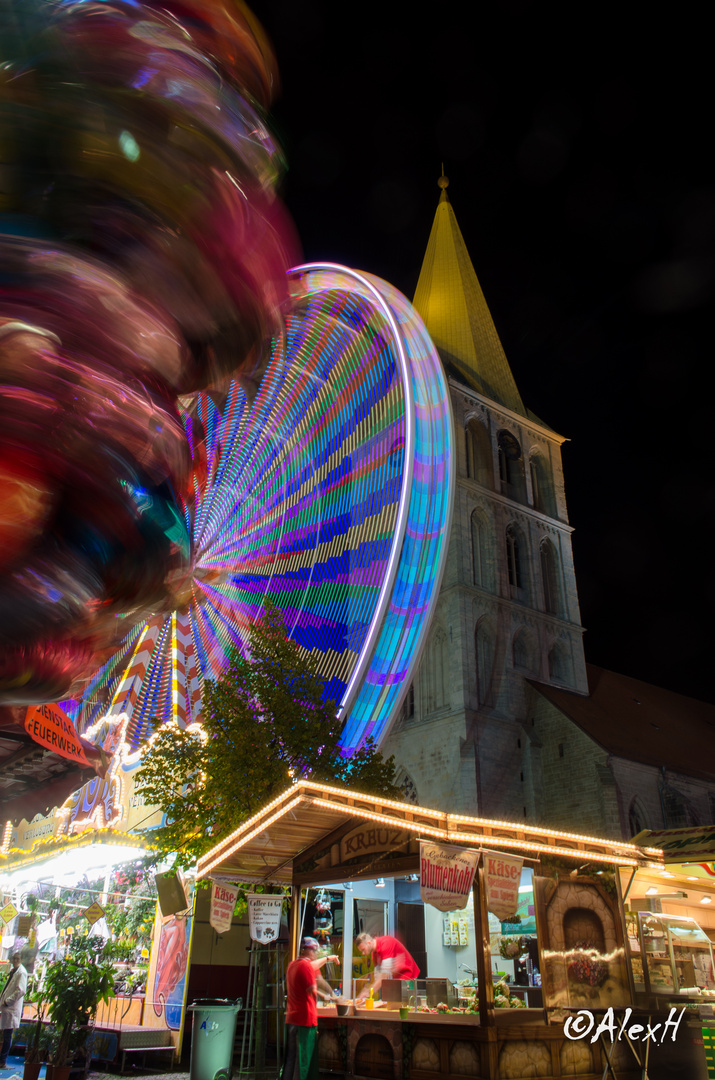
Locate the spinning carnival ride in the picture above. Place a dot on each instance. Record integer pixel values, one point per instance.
(330, 494)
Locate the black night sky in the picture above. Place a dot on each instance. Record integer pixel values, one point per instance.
(578, 153)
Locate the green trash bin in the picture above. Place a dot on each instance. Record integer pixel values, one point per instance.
(212, 1038)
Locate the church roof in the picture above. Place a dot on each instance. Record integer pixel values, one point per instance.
(451, 303)
(640, 722)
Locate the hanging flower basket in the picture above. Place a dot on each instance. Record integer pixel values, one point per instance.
(511, 948)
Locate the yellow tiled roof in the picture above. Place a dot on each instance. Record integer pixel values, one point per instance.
(451, 303)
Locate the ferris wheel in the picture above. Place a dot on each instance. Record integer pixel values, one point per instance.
(330, 494)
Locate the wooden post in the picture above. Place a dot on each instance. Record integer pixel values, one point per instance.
(294, 923)
(487, 1016)
(483, 948)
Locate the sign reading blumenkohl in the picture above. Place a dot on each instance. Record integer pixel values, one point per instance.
(446, 875)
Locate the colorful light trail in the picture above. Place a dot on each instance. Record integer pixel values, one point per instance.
(330, 494)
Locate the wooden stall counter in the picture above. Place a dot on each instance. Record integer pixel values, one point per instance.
(379, 1044)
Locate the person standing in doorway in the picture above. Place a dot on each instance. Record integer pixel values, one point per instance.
(301, 1061)
(11, 1001)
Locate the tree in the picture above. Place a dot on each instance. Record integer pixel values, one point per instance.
(264, 724)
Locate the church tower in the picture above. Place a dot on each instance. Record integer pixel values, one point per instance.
(508, 608)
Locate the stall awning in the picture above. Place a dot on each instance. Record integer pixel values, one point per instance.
(695, 844)
(268, 846)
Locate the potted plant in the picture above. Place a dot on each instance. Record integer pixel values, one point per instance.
(39, 1032)
(73, 988)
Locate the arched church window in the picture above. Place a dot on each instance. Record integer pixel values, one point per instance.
(441, 696)
(678, 811)
(560, 664)
(479, 454)
(521, 652)
(549, 577)
(514, 559)
(637, 820)
(542, 488)
(435, 684)
(511, 466)
(480, 550)
(408, 705)
(484, 658)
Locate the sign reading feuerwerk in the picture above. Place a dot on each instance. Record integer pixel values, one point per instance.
(446, 875)
(52, 728)
(223, 902)
(502, 874)
(264, 916)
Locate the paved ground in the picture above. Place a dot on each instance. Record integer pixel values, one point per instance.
(13, 1071)
(178, 1075)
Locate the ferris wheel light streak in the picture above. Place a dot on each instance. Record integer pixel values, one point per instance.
(330, 494)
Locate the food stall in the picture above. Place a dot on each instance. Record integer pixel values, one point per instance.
(669, 911)
(554, 940)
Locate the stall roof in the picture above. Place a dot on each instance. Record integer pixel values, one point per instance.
(265, 848)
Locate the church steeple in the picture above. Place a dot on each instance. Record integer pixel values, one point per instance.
(451, 302)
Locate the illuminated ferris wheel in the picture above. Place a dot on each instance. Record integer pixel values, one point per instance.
(330, 494)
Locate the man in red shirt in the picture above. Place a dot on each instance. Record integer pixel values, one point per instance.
(392, 960)
(301, 1061)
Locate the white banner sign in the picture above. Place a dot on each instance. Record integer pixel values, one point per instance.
(264, 916)
(502, 874)
(223, 901)
(446, 875)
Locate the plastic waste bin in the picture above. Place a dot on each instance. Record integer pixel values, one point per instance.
(212, 1038)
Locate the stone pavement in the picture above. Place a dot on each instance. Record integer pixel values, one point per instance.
(178, 1074)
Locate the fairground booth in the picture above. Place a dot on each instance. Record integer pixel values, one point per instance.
(520, 934)
(79, 870)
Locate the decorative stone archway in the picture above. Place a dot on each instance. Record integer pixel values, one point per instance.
(387, 1052)
(574, 896)
(584, 957)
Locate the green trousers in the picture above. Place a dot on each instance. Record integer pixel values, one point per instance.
(301, 1062)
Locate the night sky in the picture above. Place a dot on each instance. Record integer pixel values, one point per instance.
(577, 146)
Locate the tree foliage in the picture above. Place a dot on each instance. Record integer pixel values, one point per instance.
(264, 724)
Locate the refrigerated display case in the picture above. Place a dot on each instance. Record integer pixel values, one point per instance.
(672, 955)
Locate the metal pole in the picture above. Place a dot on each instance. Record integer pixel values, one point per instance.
(250, 1001)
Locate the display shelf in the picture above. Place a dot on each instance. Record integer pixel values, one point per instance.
(675, 956)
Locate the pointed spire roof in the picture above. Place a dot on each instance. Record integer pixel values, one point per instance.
(451, 303)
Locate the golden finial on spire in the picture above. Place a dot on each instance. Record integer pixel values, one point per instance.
(443, 182)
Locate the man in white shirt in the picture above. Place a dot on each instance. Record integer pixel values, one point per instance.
(11, 1001)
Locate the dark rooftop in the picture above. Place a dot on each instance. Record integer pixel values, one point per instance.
(641, 722)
